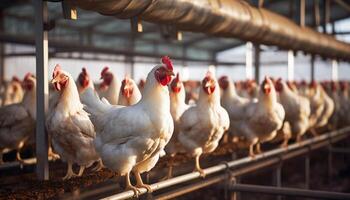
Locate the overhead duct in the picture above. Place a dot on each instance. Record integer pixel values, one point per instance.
(226, 18)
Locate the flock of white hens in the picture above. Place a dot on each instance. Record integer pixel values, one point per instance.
(127, 128)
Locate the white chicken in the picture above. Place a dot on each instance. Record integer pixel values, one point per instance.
(262, 119)
(131, 138)
(69, 126)
(297, 109)
(314, 94)
(327, 111)
(110, 86)
(177, 108)
(203, 125)
(129, 93)
(84, 82)
(17, 121)
(13, 92)
(235, 106)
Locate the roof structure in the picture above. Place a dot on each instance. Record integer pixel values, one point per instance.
(96, 33)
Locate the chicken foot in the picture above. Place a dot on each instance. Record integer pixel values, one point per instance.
(198, 167)
(170, 169)
(98, 166)
(131, 187)
(53, 155)
(140, 184)
(81, 171)
(70, 172)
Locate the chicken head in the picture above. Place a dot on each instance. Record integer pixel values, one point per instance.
(208, 84)
(59, 78)
(84, 78)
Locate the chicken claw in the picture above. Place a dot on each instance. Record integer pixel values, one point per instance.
(131, 187)
(198, 167)
(251, 151)
(53, 155)
(98, 166)
(140, 183)
(70, 172)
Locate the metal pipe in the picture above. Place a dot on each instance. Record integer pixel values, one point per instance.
(249, 60)
(260, 161)
(42, 52)
(226, 19)
(290, 66)
(334, 70)
(293, 192)
(257, 63)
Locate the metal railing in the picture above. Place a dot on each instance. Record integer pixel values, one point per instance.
(241, 166)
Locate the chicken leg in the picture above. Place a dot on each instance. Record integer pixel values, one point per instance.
(131, 187)
(258, 148)
(251, 151)
(170, 168)
(53, 155)
(98, 166)
(139, 182)
(81, 171)
(70, 172)
(198, 167)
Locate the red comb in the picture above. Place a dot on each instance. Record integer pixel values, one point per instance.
(84, 70)
(16, 79)
(166, 60)
(27, 75)
(105, 69)
(56, 71)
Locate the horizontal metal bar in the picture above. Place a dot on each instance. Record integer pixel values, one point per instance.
(295, 192)
(340, 150)
(191, 188)
(292, 151)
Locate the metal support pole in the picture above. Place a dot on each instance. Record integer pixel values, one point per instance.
(2, 51)
(334, 70)
(330, 160)
(312, 68)
(278, 178)
(257, 62)
(307, 171)
(41, 42)
(326, 12)
(302, 13)
(249, 60)
(290, 71)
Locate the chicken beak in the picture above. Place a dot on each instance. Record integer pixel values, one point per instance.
(54, 80)
(208, 84)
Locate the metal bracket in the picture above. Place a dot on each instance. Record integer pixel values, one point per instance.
(69, 10)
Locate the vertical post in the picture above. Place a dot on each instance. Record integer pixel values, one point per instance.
(307, 171)
(249, 60)
(302, 13)
(278, 178)
(41, 45)
(330, 160)
(334, 70)
(2, 51)
(257, 62)
(326, 11)
(290, 71)
(312, 67)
